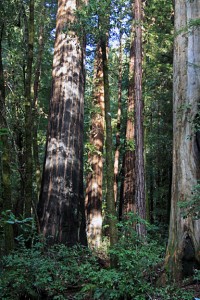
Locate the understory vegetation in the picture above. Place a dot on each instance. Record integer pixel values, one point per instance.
(78, 273)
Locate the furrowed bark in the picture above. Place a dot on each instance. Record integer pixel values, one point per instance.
(183, 251)
(139, 131)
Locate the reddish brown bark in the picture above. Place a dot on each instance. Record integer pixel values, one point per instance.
(128, 201)
(139, 132)
(110, 201)
(95, 159)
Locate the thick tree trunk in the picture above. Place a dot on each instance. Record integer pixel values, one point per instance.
(60, 208)
(184, 239)
(95, 159)
(139, 132)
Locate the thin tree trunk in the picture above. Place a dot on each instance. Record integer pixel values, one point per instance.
(35, 101)
(5, 158)
(129, 156)
(110, 201)
(61, 204)
(28, 115)
(139, 132)
(119, 112)
(95, 159)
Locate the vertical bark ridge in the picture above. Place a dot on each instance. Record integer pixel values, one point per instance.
(139, 132)
(128, 201)
(184, 232)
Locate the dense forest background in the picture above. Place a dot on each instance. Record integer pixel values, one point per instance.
(99, 149)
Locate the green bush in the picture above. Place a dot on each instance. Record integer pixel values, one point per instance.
(60, 272)
(38, 274)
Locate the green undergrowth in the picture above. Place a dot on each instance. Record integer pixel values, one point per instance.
(59, 272)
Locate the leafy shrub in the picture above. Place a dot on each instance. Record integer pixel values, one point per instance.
(60, 273)
(38, 274)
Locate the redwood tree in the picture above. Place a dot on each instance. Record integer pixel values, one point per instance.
(184, 240)
(61, 204)
(128, 195)
(139, 132)
(95, 157)
(110, 202)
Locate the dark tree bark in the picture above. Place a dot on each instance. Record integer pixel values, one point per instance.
(28, 115)
(5, 197)
(61, 204)
(95, 159)
(139, 132)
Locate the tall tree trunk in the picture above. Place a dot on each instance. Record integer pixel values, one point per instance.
(28, 115)
(35, 101)
(128, 202)
(61, 203)
(119, 112)
(139, 132)
(95, 159)
(184, 239)
(110, 201)
(5, 157)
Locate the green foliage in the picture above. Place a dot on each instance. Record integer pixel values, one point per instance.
(130, 145)
(37, 274)
(4, 131)
(90, 148)
(60, 272)
(197, 275)
(157, 93)
(25, 227)
(194, 23)
(191, 205)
